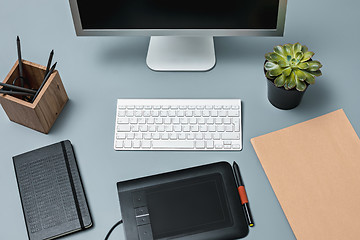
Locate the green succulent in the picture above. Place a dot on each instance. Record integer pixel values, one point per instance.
(290, 66)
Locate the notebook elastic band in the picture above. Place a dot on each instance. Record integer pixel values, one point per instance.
(72, 185)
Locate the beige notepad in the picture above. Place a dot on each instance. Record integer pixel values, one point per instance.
(314, 170)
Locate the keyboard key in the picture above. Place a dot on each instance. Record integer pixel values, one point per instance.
(123, 128)
(156, 136)
(119, 144)
(230, 136)
(120, 135)
(154, 113)
(130, 135)
(233, 113)
(121, 113)
(216, 136)
(191, 136)
(236, 146)
(182, 136)
(210, 144)
(147, 136)
(127, 144)
(146, 144)
(129, 113)
(200, 144)
(136, 144)
(179, 144)
(122, 120)
(173, 136)
(214, 113)
(208, 136)
(218, 146)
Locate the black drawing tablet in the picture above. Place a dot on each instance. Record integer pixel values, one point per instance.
(195, 203)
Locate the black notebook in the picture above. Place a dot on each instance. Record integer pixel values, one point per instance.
(51, 191)
(199, 203)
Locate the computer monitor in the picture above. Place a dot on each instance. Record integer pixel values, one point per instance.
(181, 31)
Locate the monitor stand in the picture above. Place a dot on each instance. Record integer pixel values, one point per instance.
(174, 53)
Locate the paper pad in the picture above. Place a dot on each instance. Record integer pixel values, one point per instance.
(314, 170)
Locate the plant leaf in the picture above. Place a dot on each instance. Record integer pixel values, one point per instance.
(300, 75)
(275, 72)
(287, 79)
(307, 56)
(288, 50)
(276, 57)
(310, 79)
(286, 83)
(317, 73)
(297, 48)
(283, 63)
(304, 49)
(314, 66)
(299, 56)
(291, 82)
(303, 65)
(300, 85)
(268, 75)
(280, 81)
(287, 71)
(268, 57)
(270, 65)
(279, 50)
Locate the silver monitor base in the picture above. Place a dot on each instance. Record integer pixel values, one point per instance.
(181, 53)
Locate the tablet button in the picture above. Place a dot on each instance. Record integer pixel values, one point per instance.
(139, 199)
(143, 220)
(141, 211)
(145, 232)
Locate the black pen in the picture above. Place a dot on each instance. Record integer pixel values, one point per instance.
(242, 193)
(44, 81)
(15, 93)
(20, 61)
(49, 62)
(20, 89)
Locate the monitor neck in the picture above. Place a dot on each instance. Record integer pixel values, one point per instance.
(175, 53)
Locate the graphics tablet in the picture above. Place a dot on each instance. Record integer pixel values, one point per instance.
(199, 203)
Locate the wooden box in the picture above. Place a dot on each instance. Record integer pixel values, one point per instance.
(41, 114)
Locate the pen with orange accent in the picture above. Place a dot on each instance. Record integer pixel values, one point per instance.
(242, 193)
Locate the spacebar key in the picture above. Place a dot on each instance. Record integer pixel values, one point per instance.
(178, 144)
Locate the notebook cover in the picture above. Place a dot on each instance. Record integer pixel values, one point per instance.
(314, 170)
(51, 192)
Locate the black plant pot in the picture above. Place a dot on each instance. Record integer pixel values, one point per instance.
(282, 98)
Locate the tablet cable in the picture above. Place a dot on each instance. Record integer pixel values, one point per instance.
(112, 229)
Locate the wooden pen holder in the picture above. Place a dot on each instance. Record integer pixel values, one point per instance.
(41, 114)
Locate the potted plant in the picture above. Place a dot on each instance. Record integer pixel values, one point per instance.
(289, 70)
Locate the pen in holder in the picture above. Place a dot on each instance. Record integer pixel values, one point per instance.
(41, 112)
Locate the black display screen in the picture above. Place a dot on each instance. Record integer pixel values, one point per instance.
(188, 207)
(184, 14)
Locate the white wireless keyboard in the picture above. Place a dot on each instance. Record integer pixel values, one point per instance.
(178, 124)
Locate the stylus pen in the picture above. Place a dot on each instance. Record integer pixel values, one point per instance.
(49, 62)
(44, 81)
(242, 192)
(20, 61)
(16, 93)
(13, 87)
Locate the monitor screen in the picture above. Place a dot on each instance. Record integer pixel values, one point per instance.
(184, 14)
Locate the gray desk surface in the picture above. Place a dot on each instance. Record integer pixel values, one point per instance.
(98, 70)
